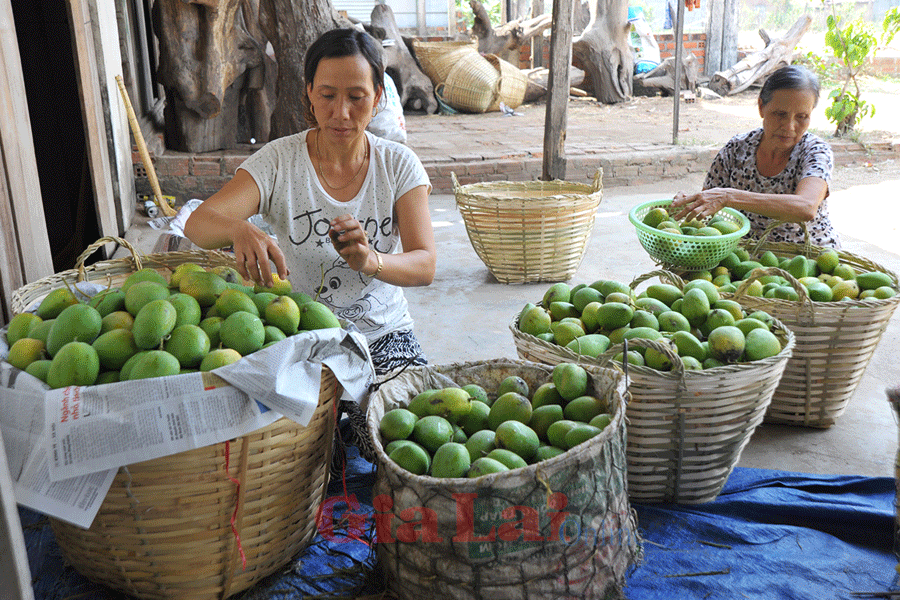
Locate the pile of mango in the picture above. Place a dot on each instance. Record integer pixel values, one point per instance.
(825, 278)
(704, 329)
(198, 319)
(658, 218)
(467, 432)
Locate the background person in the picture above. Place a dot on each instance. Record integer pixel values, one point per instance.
(779, 172)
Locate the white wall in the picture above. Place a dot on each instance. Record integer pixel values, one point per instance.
(437, 12)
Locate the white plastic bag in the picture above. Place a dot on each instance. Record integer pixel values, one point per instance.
(389, 123)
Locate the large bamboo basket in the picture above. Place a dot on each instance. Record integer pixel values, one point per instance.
(472, 85)
(594, 544)
(835, 341)
(513, 83)
(437, 58)
(529, 231)
(686, 429)
(168, 527)
(164, 530)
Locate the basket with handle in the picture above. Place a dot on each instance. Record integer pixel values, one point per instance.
(686, 429)
(437, 58)
(207, 523)
(529, 231)
(464, 551)
(835, 340)
(686, 252)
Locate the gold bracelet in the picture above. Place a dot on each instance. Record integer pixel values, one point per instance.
(380, 264)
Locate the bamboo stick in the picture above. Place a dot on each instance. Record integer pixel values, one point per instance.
(145, 154)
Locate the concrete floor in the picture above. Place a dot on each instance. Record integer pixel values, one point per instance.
(465, 315)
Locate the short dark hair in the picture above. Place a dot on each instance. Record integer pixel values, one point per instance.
(338, 43)
(790, 77)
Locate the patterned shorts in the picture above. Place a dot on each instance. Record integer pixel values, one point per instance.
(389, 352)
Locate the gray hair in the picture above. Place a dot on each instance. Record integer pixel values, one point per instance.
(790, 77)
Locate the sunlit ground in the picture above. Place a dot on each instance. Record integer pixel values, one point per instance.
(870, 211)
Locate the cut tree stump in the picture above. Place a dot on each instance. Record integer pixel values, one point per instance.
(292, 27)
(505, 41)
(212, 60)
(758, 65)
(603, 51)
(415, 88)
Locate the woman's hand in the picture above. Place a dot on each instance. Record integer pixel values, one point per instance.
(253, 249)
(698, 206)
(352, 243)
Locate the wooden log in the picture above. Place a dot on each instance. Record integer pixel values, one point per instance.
(538, 81)
(505, 41)
(415, 88)
(758, 65)
(662, 76)
(603, 51)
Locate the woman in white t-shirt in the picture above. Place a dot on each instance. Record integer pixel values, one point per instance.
(349, 209)
(779, 172)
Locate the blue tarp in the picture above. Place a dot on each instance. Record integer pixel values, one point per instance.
(770, 534)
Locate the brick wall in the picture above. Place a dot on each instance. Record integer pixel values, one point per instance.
(695, 42)
(885, 65)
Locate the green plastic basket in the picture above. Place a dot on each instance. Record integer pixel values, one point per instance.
(687, 252)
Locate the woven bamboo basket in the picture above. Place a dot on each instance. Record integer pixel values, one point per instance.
(686, 429)
(529, 231)
(582, 538)
(472, 85)
(168, 527)
(437, 58)
(835, 341)
(513, 83)
(114, 271)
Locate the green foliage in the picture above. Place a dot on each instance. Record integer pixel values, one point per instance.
(852, 45)
(494, 8)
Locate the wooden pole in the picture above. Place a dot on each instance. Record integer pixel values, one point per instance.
(554, 166)
(679, 43)
(537, 42)
(145, 154)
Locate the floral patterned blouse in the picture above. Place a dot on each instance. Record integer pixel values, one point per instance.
(735, 167)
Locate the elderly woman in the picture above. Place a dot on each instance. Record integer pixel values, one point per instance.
(778, 172)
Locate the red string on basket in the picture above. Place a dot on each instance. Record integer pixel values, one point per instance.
(237, 491)
(353, 532)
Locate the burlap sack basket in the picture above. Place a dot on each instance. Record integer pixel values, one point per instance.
(893, 395)
(437, 58)
(467, 547)
(472, 84)
(835, 341)
(168, 527)
(686, 429)
(529, 231)
(513, 83)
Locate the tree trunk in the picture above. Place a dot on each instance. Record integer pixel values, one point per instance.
(415, 88)
(205, 49)
(505, 41)
(292, 27)
(759, 64)
(663, 75)
(603, 52)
